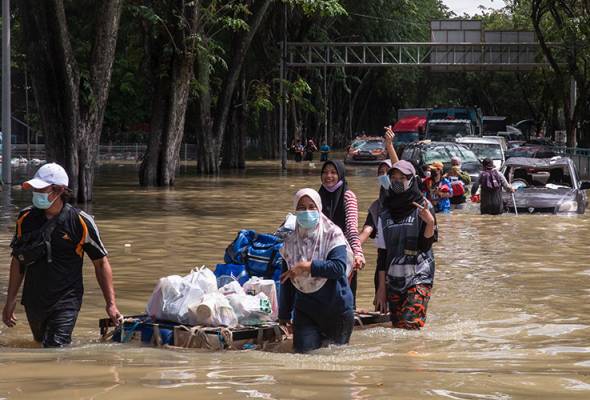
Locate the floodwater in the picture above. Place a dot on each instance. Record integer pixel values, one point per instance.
(509, 317)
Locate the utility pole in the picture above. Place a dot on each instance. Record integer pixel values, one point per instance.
(573, 101)
(6, 117)
(284, 105)
(28, 122)
(325, 104)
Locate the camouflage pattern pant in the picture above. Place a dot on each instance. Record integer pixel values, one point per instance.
(408, 309)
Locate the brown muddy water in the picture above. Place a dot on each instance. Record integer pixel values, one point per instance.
(509, 316)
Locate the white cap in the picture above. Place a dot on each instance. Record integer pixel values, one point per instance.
(49, 174)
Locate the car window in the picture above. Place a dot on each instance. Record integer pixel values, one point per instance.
(550, 178)
(357, 143)
(440, 131)
(545, 154)
(372, 145)
(485, 150)
(408, 153)
(436, 153)
(464, 154)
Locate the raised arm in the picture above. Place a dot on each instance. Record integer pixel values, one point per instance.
(389, 135)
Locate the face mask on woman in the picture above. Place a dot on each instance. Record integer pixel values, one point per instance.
(401, 186)
(384, 181)
(308, 219)
(41, 200)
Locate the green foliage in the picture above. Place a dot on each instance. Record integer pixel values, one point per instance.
(379, 93)
(324, 8)
(260, 97)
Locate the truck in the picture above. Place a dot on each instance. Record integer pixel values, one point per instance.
(448, 130)
(408, 130)
(473, 114)
(412, 112)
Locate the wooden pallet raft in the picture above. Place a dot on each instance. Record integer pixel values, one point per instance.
(271, 336)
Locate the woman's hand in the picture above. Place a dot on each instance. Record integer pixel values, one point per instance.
(426, 216)
(359, 262)
(298, 269)
(389, 135)
(381, 304)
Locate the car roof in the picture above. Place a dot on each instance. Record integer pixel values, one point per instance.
(428, 143)
(451, 121)
(477, 139)
(538, 162)
(534, 147)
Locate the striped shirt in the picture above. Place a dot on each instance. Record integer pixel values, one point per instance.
(351, 210)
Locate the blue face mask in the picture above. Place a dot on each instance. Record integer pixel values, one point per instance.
(41, 200)
(384, 181)
(308, 219)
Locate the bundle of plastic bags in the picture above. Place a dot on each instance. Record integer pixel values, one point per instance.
(213, 310)
(196, 300)
(257, 285)
(253, 304)
(173, 295)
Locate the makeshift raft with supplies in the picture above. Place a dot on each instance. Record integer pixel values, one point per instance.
(269, 337)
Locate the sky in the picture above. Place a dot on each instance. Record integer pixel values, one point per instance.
(470, 7)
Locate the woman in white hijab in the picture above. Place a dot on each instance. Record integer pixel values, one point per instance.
(315, 291)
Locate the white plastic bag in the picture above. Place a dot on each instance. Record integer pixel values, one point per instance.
(171, 298)
(204, 278)
(213, 310)
(251, 310)
(233, 287)
(257, 285)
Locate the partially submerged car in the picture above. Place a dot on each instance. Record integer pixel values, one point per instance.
(492, 147)
(426, 152)
(547, 185)
(531, 151)
(368, 150)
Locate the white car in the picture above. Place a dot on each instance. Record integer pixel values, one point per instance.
(493, 147)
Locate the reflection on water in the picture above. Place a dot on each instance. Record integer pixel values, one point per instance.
(509, 316)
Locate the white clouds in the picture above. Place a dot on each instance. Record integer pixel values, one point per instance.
(471, 7)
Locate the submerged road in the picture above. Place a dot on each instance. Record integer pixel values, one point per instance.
(509, 316)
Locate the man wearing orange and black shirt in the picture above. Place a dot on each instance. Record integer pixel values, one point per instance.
(48, 250)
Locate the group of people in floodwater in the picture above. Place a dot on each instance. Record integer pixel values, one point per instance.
(303, 151)
(322, 254)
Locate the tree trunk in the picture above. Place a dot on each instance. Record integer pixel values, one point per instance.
(211, 138)
(160, 161)
(72, 121)
(234, 143)
(243, 124)
(208, 147)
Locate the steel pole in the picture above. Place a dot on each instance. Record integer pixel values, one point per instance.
(6, 117)
(283, 109)
(27, 114)
(325, 104)
(281, 104)
(573, 101)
